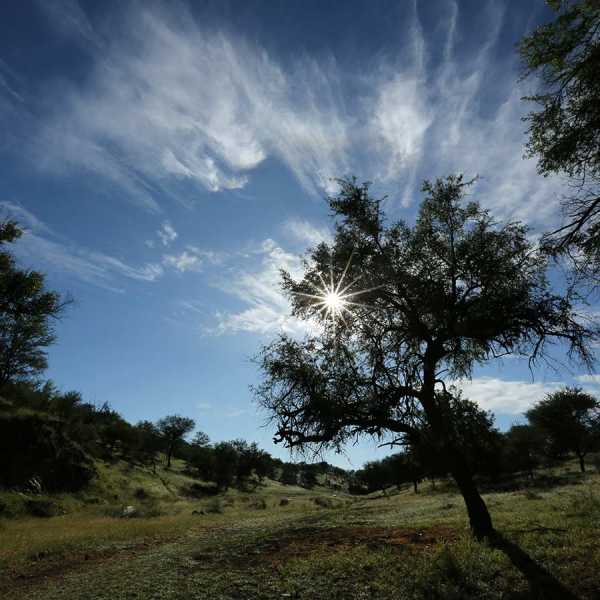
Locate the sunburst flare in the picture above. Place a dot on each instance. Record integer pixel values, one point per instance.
(335, 299)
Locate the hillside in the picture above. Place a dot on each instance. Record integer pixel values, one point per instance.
(315, 545)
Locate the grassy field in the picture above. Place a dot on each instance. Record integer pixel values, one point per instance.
(313, 545)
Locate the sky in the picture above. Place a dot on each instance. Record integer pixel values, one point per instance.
(167, 159)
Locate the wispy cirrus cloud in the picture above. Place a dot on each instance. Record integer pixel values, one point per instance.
(146, 117)
(42, 246)
(257, 287)
(306, 233)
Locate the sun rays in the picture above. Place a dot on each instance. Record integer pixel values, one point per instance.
(333, 299)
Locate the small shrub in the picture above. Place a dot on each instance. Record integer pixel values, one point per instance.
(200, 490)
(259, 504)
(324, 502)
(140, 493)
(215, 506)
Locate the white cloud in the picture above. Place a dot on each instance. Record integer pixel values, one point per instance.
(505, 397)
(591, 379)
(192, 259)
(166, 233)
(307, 233)
(182, 262)
(259, 289)
(171, 99)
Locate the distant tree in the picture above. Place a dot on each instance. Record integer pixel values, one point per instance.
(200, 439)
(308, 476)
(225, 465)
(419, 304)
(173, 429)
(523, 449)
(27, 310)
(289, 474)
(65, 405)
(564, 133)
(150, 442)
(571, 420)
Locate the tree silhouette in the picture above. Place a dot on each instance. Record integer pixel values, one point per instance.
(564, 133)
(173, 429)
(571, 420)
(404, 309)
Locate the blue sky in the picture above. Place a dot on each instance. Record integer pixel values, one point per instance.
(167, 159)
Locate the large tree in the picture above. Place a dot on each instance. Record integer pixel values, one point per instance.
(564, 131)
(173, 429)
(27, 312)
(404, 310)
(570, 418)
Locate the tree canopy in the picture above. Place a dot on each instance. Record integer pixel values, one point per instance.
(415, 307)
(27, 310)
(564, 132)
(570, 418)
(173, 428)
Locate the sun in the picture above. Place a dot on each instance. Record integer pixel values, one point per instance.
(335, 299)
(334, 302)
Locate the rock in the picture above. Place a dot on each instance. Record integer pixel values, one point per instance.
(34, 485)
(129, 511)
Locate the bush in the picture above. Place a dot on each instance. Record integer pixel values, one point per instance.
(200, 490)
(37, 449)
(140, 493)
(41, 508)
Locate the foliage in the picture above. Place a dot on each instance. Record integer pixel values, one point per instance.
(173, 429)
(34, 445)
(524, 449)
(564, 132)
(26, 313)
(434, 300)
(570, 418)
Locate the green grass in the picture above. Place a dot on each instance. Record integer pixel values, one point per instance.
(400, 546)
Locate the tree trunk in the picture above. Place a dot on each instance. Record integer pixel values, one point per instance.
(415, 482)
(479, 517)
(581, 462)
(169, 452)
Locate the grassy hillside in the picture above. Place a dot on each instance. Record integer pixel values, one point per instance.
(314, 545)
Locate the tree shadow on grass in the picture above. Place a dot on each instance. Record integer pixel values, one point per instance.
(542, 584)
